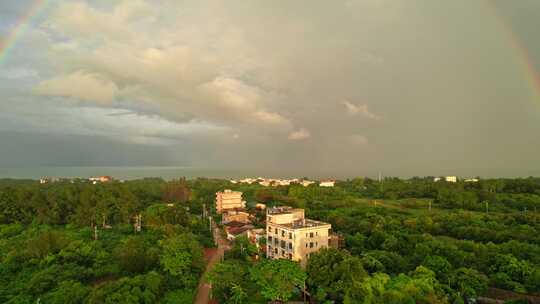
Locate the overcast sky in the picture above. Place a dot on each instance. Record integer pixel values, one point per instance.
(407, 87)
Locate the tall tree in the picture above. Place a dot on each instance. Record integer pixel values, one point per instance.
(278, 278)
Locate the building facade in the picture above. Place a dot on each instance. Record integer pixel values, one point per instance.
(291, 236)
(229, 200)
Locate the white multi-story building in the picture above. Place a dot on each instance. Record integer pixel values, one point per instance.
(291, 236)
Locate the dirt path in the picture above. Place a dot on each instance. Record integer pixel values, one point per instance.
(203, 291)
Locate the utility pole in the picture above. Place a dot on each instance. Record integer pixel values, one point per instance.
(487, 207)
(381, 187)
(95, 233)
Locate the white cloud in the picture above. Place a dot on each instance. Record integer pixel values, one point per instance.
(232, 94)
(80, 85)
(183, 60)
(362, 110)
(272, 118)
(172, 65)
(18, 73)
(84, 21)
(301, 134)
(359, 140)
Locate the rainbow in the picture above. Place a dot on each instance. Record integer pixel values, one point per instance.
(530, 72)
(23, 23)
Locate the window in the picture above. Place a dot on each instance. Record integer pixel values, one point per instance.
(290, 245)
(317, 233)
(275, 250)
(306, 245)
(283, 244)
(316, 244)
(290, 236)
(269, 239)
(311, 245)
(269, 229)
(276, 241)
(275, 230)
(283, 233)
(290, 256)
(311, 234)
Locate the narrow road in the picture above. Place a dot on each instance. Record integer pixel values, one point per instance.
(203, 291)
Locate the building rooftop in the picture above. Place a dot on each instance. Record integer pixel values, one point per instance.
(234, 224)
(304, 223)
(281, 210)
(230, 191)
(239, 230)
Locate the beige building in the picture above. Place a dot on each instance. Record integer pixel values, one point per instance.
(291, 236)
(229, 200)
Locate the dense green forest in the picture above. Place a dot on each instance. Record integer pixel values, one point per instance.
(75, 242)
(406, 241)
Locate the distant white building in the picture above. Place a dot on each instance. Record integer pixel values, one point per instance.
(306, 183)
(247, 181)
(265, 183)
(449, 179)
(46, 180)
(327, 183)
(100, 179)
(472, 180)
(284, 182)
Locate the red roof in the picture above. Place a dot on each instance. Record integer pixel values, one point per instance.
(234, 224)
(238, 230)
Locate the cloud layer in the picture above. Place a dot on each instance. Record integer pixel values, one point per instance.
(363, 85)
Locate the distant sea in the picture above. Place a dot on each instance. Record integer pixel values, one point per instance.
(167, 173)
